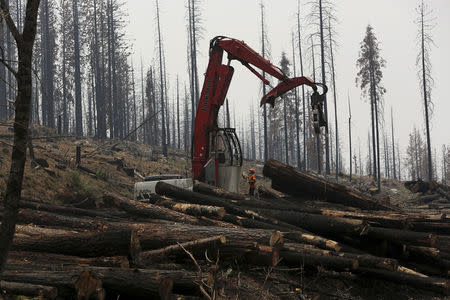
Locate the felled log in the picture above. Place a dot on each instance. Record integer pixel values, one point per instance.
(428, 255)
(152, 236)
(169, 190)
(193, 209)
(250, 223)
(294, 182)
(90, 244)
(202, 244)
(438, 227)
(267, 193)
(65, 210)
(428, 198)
(319, 242)
(45, 258)
(133, 283)
(9, 288)
(438, 285)
(27, 216)
(364, 260)
(329, 226)
(149, 210)
(207, 189)
(312, 260)
(407, 237)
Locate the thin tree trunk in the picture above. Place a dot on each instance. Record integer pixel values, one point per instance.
(333, 74)
(134, 103)
(144, 128)
(350, 135)
(263, 52)
(378, 143)
(303, 87)
(297, 121)
(186, 120)
(393, 145)
(163, 125)
(322, 55)
(425, 96)
(78, 107)
(3, 97)
(178, 115)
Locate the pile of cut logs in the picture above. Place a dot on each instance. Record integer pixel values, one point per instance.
(174, 245)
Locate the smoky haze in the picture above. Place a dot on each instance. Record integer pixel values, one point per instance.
(393, 23)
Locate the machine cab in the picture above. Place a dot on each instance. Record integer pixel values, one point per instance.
(225, 164)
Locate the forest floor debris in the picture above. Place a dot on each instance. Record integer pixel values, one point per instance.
(81, 233)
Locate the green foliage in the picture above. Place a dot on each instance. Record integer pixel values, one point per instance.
(101, 174)
(82, 187)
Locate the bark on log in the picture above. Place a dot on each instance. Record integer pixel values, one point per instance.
(207, 189)
(83, 244)
(407, 237)
(134, 283)
(438, 227)
(42, 258)
(334, 226)
(297, 183)
(149, 210)
(27, 216)
(193, 209)
(9, 288)
(391, 220)
(428, 255)
(250, 223)
(66, 210)
(428, 198)
(364, 260)
(318, 224)
(267, 193)
(169, 190)
(438, 285)
(311, 260)
(152, 236)
(210, 242)
(319, 242)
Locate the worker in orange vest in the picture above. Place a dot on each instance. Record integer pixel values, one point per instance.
(251, 179)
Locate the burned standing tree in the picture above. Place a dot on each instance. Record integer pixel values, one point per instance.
(350, 134)
(161, 73)
(425, 21)
(299, 40)
(393, 145)
(24, 42)
(321, 9)
(297, 112)
(284, 63)
(368, 79)
(77, 66)
(264, 53)
(3, 97)
(178, 116)
(333, 78)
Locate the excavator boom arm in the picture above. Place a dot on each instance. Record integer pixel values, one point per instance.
(215, 87)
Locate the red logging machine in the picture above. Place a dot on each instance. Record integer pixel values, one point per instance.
(216, 152)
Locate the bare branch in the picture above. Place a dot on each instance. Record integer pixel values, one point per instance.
(9, 21)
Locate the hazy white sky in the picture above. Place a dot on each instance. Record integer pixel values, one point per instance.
(393, 22)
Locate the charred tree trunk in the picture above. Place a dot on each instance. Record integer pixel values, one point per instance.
(25, 42)
(161, 71)
(77, 66)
